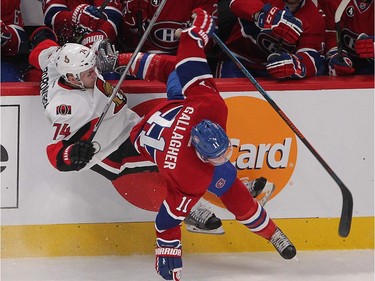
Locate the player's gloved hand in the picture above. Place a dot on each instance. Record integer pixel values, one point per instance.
(79, 154)
(88, 18)
(202, 27)
(89, 38)
(364, 46)
(339, 65)
(168, 263)
(40, 34)
(5, 33)
(135, 11)
(285, 65)
(138, 66)
(282, 23)
(106, 55)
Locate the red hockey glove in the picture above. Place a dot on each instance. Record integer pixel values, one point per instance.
(285, 65)
(5, 33)
(168, 262)
(202, 26)
(281, 22)
(88, 18)
(364, 46)
(132, 10)
(91, 37)
(79, 154)
(339, 65)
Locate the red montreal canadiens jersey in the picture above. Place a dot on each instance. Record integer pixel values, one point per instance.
(175, 14)
(69, 109)
(58, 15)
(163, 137)
(251, 44)
(12, 18)
(357, 18)
(11, 12)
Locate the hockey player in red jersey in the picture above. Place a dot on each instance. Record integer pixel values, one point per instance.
(74, 94)
(357, 37)
(83, 21)
(162, 39)
(281, 39)
(186, 138)
(13, 39)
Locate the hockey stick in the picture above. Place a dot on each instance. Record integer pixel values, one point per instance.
(103, 5)
(338, 14)
(122, 78)
(347, 206)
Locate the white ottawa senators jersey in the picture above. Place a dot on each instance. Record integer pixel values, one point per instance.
(74, 112)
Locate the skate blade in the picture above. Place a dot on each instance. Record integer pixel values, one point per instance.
(267, 192)
(194, 229)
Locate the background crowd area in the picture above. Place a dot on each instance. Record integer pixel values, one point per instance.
(279, 39)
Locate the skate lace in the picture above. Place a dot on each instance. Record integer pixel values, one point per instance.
(201, 215)
(279, 240)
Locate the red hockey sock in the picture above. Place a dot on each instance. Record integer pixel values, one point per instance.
(247, 210)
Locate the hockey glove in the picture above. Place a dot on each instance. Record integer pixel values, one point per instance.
(364, 46)
(202, 26)
(285, 65)
(79, 154)
(106, 55)
(90, 38)
(168, 263)
(339, 65)
(5, 33)
(134, 9)
(88, 18)
(282, 23)
(41, 34)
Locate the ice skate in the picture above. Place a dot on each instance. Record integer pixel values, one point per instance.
(202, 220)
(283, 245)
(259, 186)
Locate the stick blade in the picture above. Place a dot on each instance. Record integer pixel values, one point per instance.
(346, 213)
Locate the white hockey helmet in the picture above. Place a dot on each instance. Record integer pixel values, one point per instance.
(74, 58)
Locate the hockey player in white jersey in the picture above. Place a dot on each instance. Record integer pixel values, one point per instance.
(74, 94)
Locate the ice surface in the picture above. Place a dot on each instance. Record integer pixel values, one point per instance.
(307, 266)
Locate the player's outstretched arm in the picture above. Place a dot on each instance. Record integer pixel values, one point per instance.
(191, 62)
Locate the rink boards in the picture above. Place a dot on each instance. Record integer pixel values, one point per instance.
(49, 213)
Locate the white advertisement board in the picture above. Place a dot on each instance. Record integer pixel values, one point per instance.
(338, 123)
(9, 145)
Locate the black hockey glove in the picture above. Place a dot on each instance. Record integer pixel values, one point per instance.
(79, 153)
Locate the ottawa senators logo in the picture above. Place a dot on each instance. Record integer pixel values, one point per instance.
(63, 109)
(106, 88)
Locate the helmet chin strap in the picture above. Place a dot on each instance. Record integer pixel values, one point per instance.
(78, 85)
